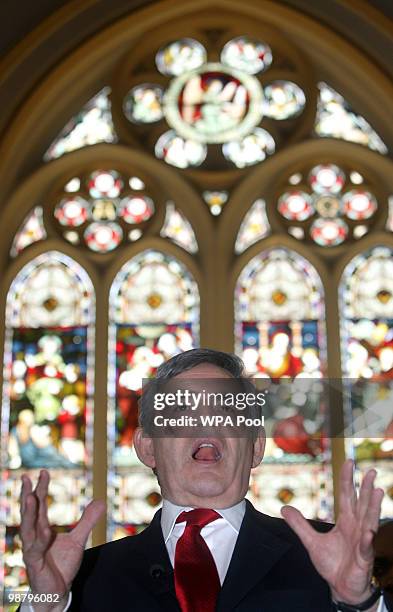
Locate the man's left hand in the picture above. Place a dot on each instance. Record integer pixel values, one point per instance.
(344, 555)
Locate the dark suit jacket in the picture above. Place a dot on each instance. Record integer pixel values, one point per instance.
(270, 571)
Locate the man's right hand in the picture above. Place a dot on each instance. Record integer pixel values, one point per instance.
(52, 559)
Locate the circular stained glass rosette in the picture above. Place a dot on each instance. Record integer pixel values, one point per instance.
(327, 178)
(142, 104)
(359, 204)
(296, 206)
(179, 152)
(103, 183)
(180, 56)
(327, 205)
(213, 104)
(329, 232)
(252, 149)
(283, 99)
(72, 212)
(136, 209)
(103, 237)
(247, 54)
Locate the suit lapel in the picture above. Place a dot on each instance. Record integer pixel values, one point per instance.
(150, 565)
(257, 549)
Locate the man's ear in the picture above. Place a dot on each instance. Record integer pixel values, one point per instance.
(259, 448)
(144, 448)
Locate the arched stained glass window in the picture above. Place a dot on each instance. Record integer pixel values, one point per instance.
(154, 315)
(279, 310)
(47, 417)
(367, 355)
(228, 147)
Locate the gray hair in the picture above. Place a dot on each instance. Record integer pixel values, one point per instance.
(228, 362)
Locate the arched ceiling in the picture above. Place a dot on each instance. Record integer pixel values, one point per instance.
(18, 19)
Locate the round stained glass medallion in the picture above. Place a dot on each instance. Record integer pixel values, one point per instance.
(329, 232)
(105, 183)
(180, 56)
(250, 150)
(179, 152)
(103, 209)
(142, 104)
(72, 212)
(103, 237)
(136, 209)
(359, 204)
(328, 206)
(327, 178)
(247, 54)
(213, 104)
(296, 205)
(283, 99)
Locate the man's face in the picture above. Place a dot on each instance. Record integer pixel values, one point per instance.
(215, 477)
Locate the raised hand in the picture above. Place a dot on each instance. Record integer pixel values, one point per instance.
(344, 556)
(52, 559)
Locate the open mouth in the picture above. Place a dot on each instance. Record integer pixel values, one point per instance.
(206, 451)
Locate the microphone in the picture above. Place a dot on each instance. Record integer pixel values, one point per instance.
(157, 571)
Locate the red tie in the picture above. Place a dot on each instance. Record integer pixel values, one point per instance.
(196, 578)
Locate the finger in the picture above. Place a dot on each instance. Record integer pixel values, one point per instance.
(371, 521)
(29, 519)
(91, 515)
(347, 493)
(35, 542)
(366, 548)
(41, 492)
(300, 526)
(26, 489)
(41, 489)
(366, 489)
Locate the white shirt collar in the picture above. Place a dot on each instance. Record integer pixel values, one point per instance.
(233, 515)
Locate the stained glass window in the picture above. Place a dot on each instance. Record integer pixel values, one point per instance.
(336, 119)
(47, 415)
(211, 105)
(180, 152)
(214, 104)
(32, 230)
(143, 104)
(154, 311)
(180, 56)
(215, 200)
(281, 338)
(244, 53)
(208, 102)
(179, 229)
(102, 209)
(254, 227)
(367, 353)
(283, 99)
(251, 149)
(93, 124)
(328, 205)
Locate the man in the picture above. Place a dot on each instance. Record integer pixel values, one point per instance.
(208, 549)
